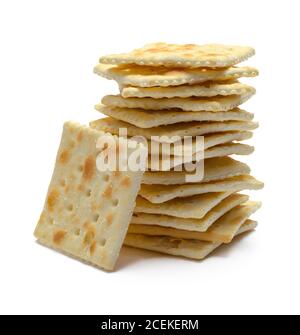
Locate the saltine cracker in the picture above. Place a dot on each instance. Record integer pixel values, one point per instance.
(87, 211)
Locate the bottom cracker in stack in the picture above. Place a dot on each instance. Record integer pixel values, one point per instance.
(179, 247)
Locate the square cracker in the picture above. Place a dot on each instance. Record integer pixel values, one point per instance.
(162, 193)
(87, 212)
(149, 76)
(180, 247)
(210, 140)
(152, 118)
(222, 230)
(201, 225)
(171, 132)
(193, 207)
(166, 163)
(208, 89)
(194, 104)
(214, 169)
(182, 55)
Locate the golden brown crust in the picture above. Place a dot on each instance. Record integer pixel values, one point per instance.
(58, 236)
(52, 199)
(186, 55)
(89, 168)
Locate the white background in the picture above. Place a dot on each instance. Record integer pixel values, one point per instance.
(47, 53)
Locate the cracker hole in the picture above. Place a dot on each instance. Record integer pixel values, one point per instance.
(77, 232)
(80, 168)
(51, 221)
(62, 183)
(102, 242)
(70, 208)
(96, 217)
(88, 193)
(115, 202)
(106, 177)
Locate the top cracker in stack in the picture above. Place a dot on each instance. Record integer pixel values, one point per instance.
(172, 91)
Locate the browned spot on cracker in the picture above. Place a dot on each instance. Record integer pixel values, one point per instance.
(93, 247)
(189, 46)
(90, 227)
(88, 237)
(107, 193)
(126, 181)
(154, 50)
(87, 225)
(89, 168)
(80, 135)
(80, 188)
(116, 173)
(184, 47)
(52, 199)
(67, 188)
(59, 236)
(109, 218)
(64, 156)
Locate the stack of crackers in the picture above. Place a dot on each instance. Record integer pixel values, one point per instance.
(167, 92)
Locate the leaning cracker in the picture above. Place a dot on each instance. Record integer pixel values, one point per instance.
(208, 89)
(149, 76)
(182, 55)
(166, 163)
(172, 133)
(162, 193)
(87, 212)
(214, 169)
(189, 148)
(178, 247)
(201, 225)
(147, 119)
(195, 104)
(223, 230)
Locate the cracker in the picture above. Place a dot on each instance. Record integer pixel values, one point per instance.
(162, 193)
(149, 76)
(210, 140)
(87, 212)
(201, 225)
(194, 207)
(170, 133)
(222, 230)
(178, 247)
(214, 169)
(182, 55)
(147, 119)
(195, 104)
(227, 150)
(214, 139)
(166, 163)
(208, 89)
